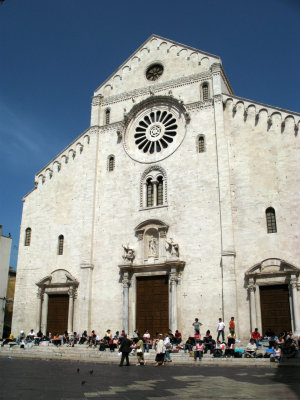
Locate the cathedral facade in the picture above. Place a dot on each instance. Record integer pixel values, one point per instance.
(181, 200)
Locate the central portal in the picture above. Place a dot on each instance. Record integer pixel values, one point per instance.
(152, 304)
(57, 321)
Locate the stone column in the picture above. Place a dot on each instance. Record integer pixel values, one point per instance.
(225, 202)
(45, 313)
(141, 246)
(71, 293)
(39, 309)
(251, 289)
(125, 282)
(258, 308)
(293, 283)
(173, 299)
(84, 297)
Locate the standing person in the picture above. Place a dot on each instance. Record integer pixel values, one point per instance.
(220, 329)
(140, 352)
(168, 347)
(146, 338)
(196, 326)
(125, 349)
(232, 324)
(160, 351)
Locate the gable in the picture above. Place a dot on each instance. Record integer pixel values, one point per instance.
(177, 60)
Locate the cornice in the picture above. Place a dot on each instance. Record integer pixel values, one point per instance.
(154, 88)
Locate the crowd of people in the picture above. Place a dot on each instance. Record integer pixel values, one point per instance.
(164, 344)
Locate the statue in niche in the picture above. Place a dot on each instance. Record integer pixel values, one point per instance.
(152, 247)
(129, 253)
(172, 248)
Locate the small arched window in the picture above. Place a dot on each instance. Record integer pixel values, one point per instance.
(205, 91)
(107, 116)
(201, 144)
(111, 163)
(150, 197)
(27, 237)
(60, 245)
(271, 220)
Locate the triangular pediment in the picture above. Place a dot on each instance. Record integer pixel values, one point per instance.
(178, 61)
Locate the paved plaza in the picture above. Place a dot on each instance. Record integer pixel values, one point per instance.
(61, 380)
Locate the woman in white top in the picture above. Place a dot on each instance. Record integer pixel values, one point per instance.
(277, 353)
(160, 351)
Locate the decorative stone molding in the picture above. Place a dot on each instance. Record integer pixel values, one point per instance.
(159, 266)
(218, 99)
(199, 105)
(157, 88)
(271, 268)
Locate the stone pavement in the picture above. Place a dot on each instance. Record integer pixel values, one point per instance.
(59, 380)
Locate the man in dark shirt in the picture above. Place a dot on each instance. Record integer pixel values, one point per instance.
(125, 348)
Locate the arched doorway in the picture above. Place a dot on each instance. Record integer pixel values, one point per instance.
(273, 287)
(56, 293)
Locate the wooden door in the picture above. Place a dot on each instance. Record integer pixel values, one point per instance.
(58, 307)
(275, 308)
(152, 304)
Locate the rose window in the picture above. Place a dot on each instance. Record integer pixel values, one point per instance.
(154, 72)
(155, 131)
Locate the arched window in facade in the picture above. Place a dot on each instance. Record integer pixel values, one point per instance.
(271, 220)
(205, 91)
(153, 188)
(201, 144)
(111, 163)
(27, 237)
(107, 116)
(60, 245)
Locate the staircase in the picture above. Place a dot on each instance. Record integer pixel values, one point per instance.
(88, 354)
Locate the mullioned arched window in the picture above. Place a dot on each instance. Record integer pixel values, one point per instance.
(153, 188)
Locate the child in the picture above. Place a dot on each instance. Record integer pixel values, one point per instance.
(198, 350)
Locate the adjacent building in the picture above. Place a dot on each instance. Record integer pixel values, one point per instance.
(5, 249)
(181, 200)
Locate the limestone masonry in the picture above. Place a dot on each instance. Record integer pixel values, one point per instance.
(181, 200)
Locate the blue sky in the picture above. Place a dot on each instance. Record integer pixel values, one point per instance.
(55, 54)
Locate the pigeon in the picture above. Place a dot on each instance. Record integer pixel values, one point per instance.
(78, 370)
(91, 372)
(82, 382)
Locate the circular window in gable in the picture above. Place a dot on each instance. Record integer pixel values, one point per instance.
(154, 72)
